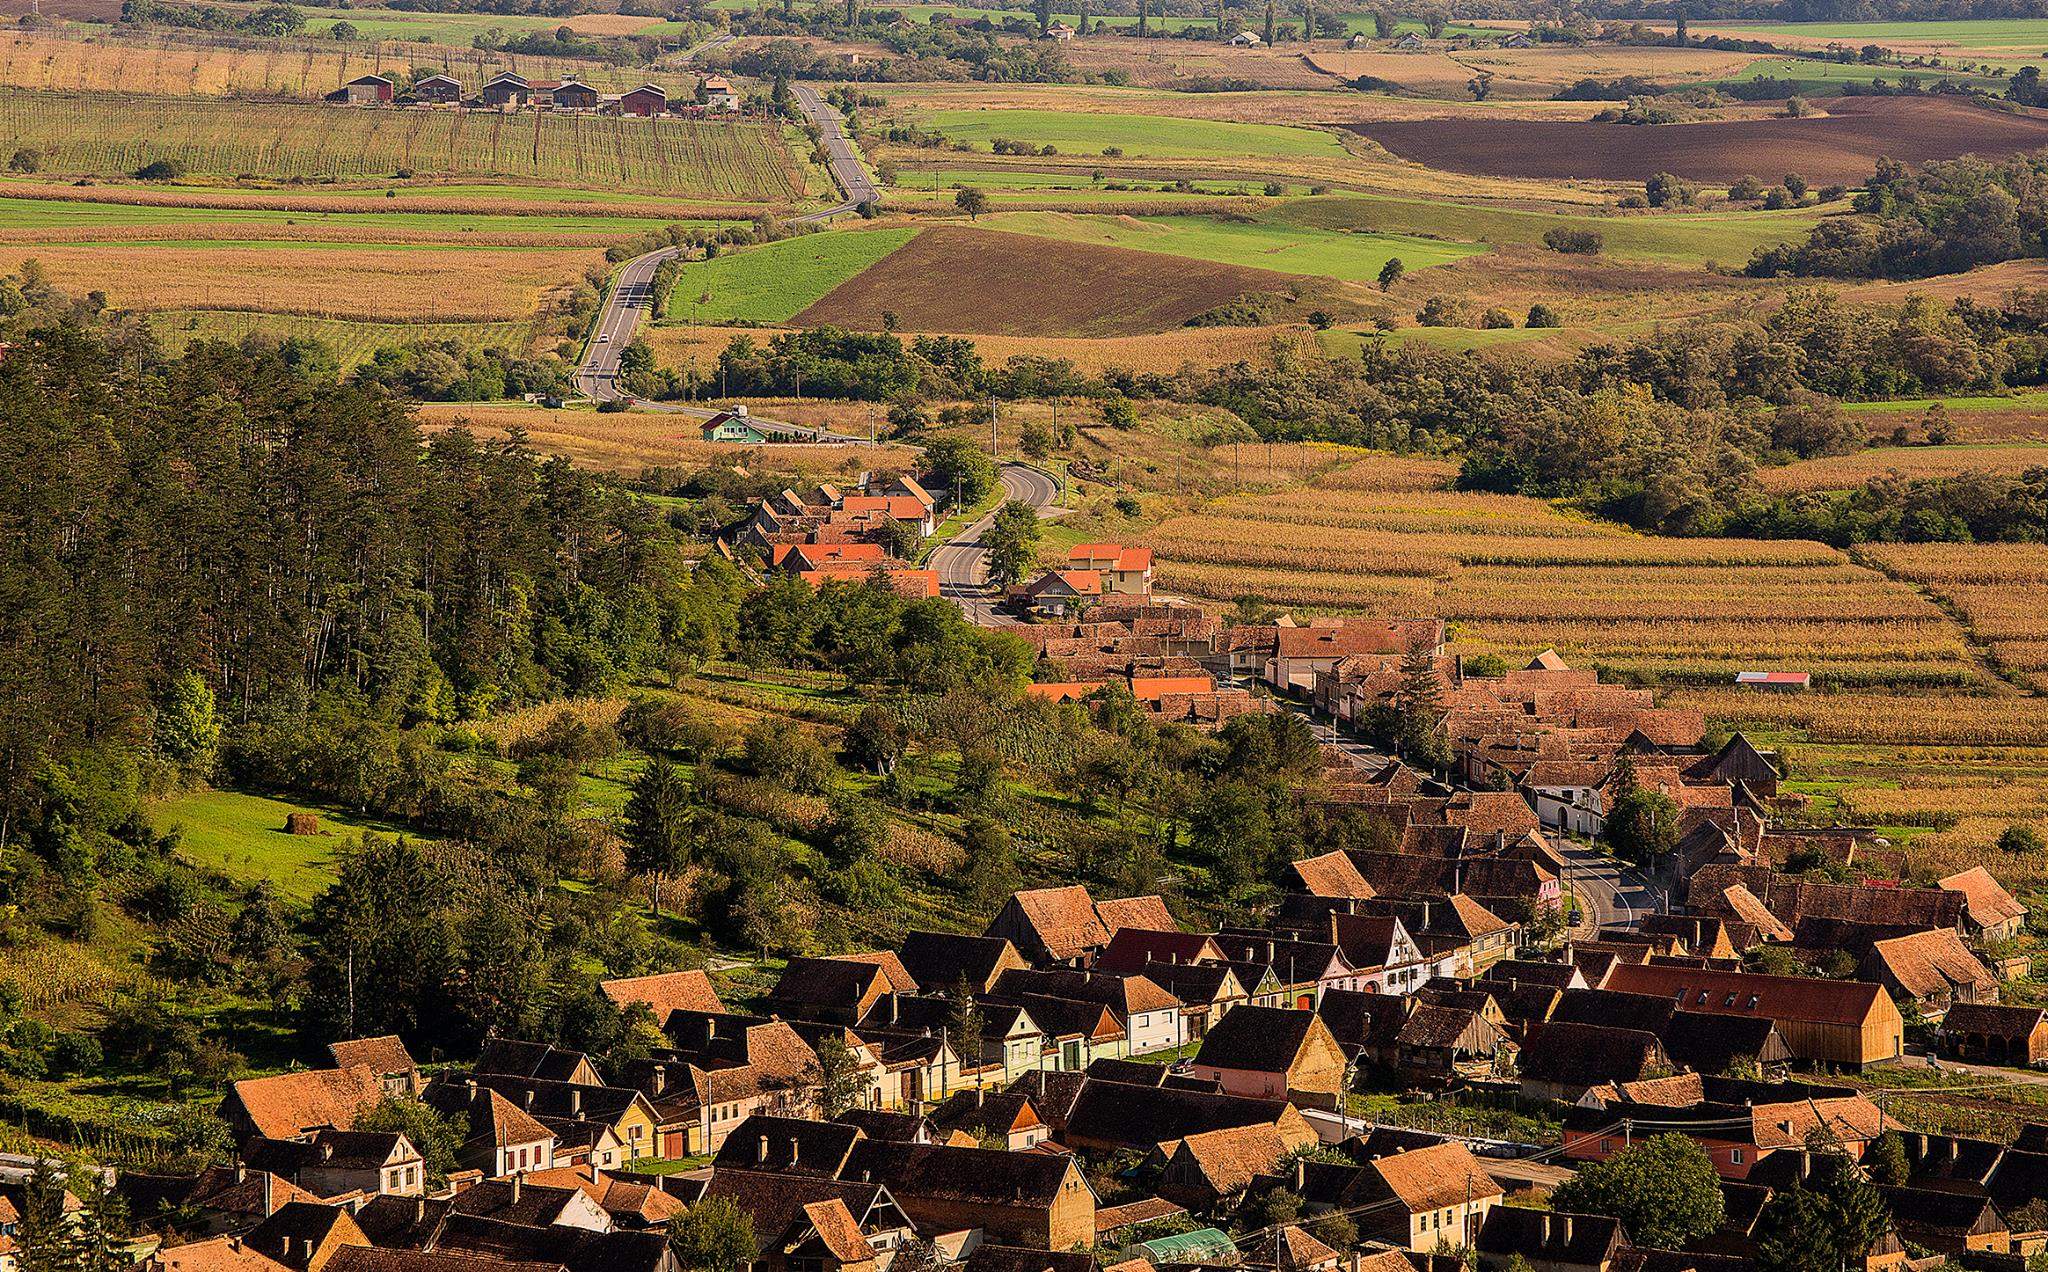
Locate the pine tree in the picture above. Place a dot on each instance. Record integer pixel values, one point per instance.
(1269, 23)
(1144, 13)
(1420, 705)
(47, 1242)
(964, 1024)
(658, 824)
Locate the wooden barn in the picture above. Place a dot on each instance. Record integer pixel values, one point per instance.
(1852, 1023)
(505, 90)
(646, 101)
(368, 90)
(438, 90)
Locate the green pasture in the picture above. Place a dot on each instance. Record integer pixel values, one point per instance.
(1818, 78)
(2012, 36)
(461, 29)
(1152, 136)
(242, 836)
(997, 180)
(776, 282)
(1668, 237)
(1288, 249)
(2028, 400)
(352, 342)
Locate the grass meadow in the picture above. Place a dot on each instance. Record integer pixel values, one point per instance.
(778, 281)
(1288, 249)
(242, 836)
(352, 342)
(1138, 136)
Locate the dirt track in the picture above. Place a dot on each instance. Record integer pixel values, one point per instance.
(1842, 146)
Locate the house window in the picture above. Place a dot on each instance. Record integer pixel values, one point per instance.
(1607, 1146)
(1735, 1156)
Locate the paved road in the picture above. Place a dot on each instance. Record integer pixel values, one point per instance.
(959, 560)
(847, 168)
(715, 42)
(627, 304)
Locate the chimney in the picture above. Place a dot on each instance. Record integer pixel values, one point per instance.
(576, 1102)
(977, 1095)
(1300, 1174)
(795, 1150)
(1805, 1161)
(241, 1170)
(892, 1007)
(660, 1078)
(761, 1151)
(529, 1097)
(269, 1206)
(1546, 1227)
(515, 1189)
(1567, 1228)
(326, 1151)
(419, 1209)
(710, 1028)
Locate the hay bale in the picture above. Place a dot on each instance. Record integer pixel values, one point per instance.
(301, 824)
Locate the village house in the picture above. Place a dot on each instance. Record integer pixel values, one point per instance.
(665, 992)
(647, 101)
(1212, 1169)
(1272, 1053)
(1441, 1197)
(733, 425)
(1990, 913)
(500, 1138)
(1039, 1200)
(807, 1222)
(1150, 1016)
(1123, 571)
(386, 1056)
(718, 94)
(1930, 970)
(1122, 1115)
(998, 1119)
(335, 1163)
(294, 1105)
(1066, 926)
(506, 90)
(1550, 1241)
(719, 1070)
(1736, 1136)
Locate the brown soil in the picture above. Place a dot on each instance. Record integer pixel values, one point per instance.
(1843, 145)
(955, 278)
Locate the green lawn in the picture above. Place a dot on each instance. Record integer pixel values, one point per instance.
(1153, 136)
(242, 836)
(776, 282)
(997, 180)
(453, 28)
(1289, 249)
(1673, 238)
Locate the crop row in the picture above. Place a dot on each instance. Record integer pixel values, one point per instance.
(92, 134)
(1881, 717)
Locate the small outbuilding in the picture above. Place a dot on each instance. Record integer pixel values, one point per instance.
(646, 101)
(437, 90)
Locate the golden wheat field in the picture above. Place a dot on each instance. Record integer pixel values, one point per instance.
(341, 281)
(1839, 472)
(408, 196)
(1514, 575)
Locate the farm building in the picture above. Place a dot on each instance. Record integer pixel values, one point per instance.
(1246, 40)
(1409, 43)
(718, 93)
(571, 94)
(1992, 1034)
(1519, 40)
(733, 426)
(507, 89)
(1850, 1023)
(1059, 32)
(368, 90)
(646, 101)
(441, 90)
(1774, 681)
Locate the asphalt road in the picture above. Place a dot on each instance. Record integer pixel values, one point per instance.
(631, 295)
(847, 168)
(959, 560)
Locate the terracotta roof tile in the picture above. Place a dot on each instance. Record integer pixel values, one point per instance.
(664, 992)
(1930, 963)
(288, 1105)
(1434, 1178)
(383, 1055)
(1989, 903)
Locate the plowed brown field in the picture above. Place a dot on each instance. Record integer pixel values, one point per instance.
(986, 282)
(1842, 146)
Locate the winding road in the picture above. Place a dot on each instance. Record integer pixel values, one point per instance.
(959, 561)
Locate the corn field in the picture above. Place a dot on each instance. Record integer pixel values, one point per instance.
(94, 134)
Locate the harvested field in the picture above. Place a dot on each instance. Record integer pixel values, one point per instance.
(1891, 718)
(97, 134)
(1186, 63)
(954, 278)
(1428, 73)
(377, 283)
(1839, 472)
(2022, 417)
(1514, 575)
(634, 440)
(1843, 145)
